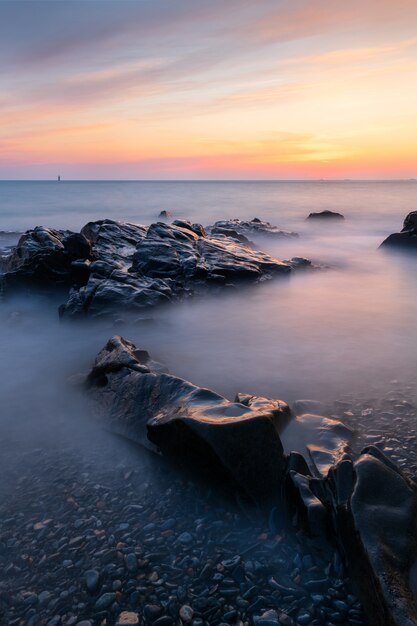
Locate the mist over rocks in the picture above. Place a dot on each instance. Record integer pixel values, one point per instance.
(407, 238)
(112, 266)
(364, 503)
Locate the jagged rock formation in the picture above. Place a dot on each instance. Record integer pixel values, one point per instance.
(112, 267)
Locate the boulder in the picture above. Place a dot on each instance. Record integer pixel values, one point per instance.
(407, 238)
(159, 264)
(44, 257)
(234, 442)
(165, 215)
(326, 215)
(375, 507)
(113, 266)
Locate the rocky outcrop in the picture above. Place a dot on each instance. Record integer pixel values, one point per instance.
(366, 506)
(44, 256)
(112, 267)
(375, 513)
(240, 230)
(237, 442)
(326, 215)
(407, 238)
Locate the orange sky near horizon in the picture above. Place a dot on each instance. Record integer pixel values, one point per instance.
(250, 90)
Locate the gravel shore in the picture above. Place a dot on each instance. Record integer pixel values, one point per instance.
(94, 532)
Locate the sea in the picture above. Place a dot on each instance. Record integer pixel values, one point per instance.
(346, 329)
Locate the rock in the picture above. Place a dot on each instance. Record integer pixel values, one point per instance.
(132, 563)
(312, 515)
(407, 238)
(127, 617)
(326, 215)
(325, 440)
(165, 215)
(186, 613)
(105, 600)
(92, 580)
(137, 268)
(377, 528)
(43, 257)
(268, 618)
(410, 221)
(112, 266)
(185, 538)
(226, 441)
(239, 230)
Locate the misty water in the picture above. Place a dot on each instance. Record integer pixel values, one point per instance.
(319, 334)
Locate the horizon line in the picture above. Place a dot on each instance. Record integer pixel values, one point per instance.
(204, 180)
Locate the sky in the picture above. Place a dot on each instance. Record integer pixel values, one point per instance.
(208, 89)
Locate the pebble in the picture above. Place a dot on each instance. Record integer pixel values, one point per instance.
(127, 618)
(186, 613)
(105, 601)
(92, 580)
(185, 538)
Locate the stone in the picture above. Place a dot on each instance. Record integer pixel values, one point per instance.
(127, 618)
(239, 230)
(322, 439)
(186, 613)
(92, 580)
(165, 215)
(105, 601)
(326, 215)
(230, 442)
(407, 238)
(377, 529)
(113, 266)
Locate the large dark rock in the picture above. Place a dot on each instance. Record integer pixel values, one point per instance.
(113, 267)
(44, 257)
(375, 509)
(151, 266)
(237, 442)
(407, 238)
(326, 215)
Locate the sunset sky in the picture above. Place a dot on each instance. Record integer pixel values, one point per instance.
(191, 89)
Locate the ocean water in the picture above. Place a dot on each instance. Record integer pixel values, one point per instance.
(349, 329)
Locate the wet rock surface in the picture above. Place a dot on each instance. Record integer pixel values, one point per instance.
(241, 230)
(235, 442)
(112, 266)
(407, 238)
